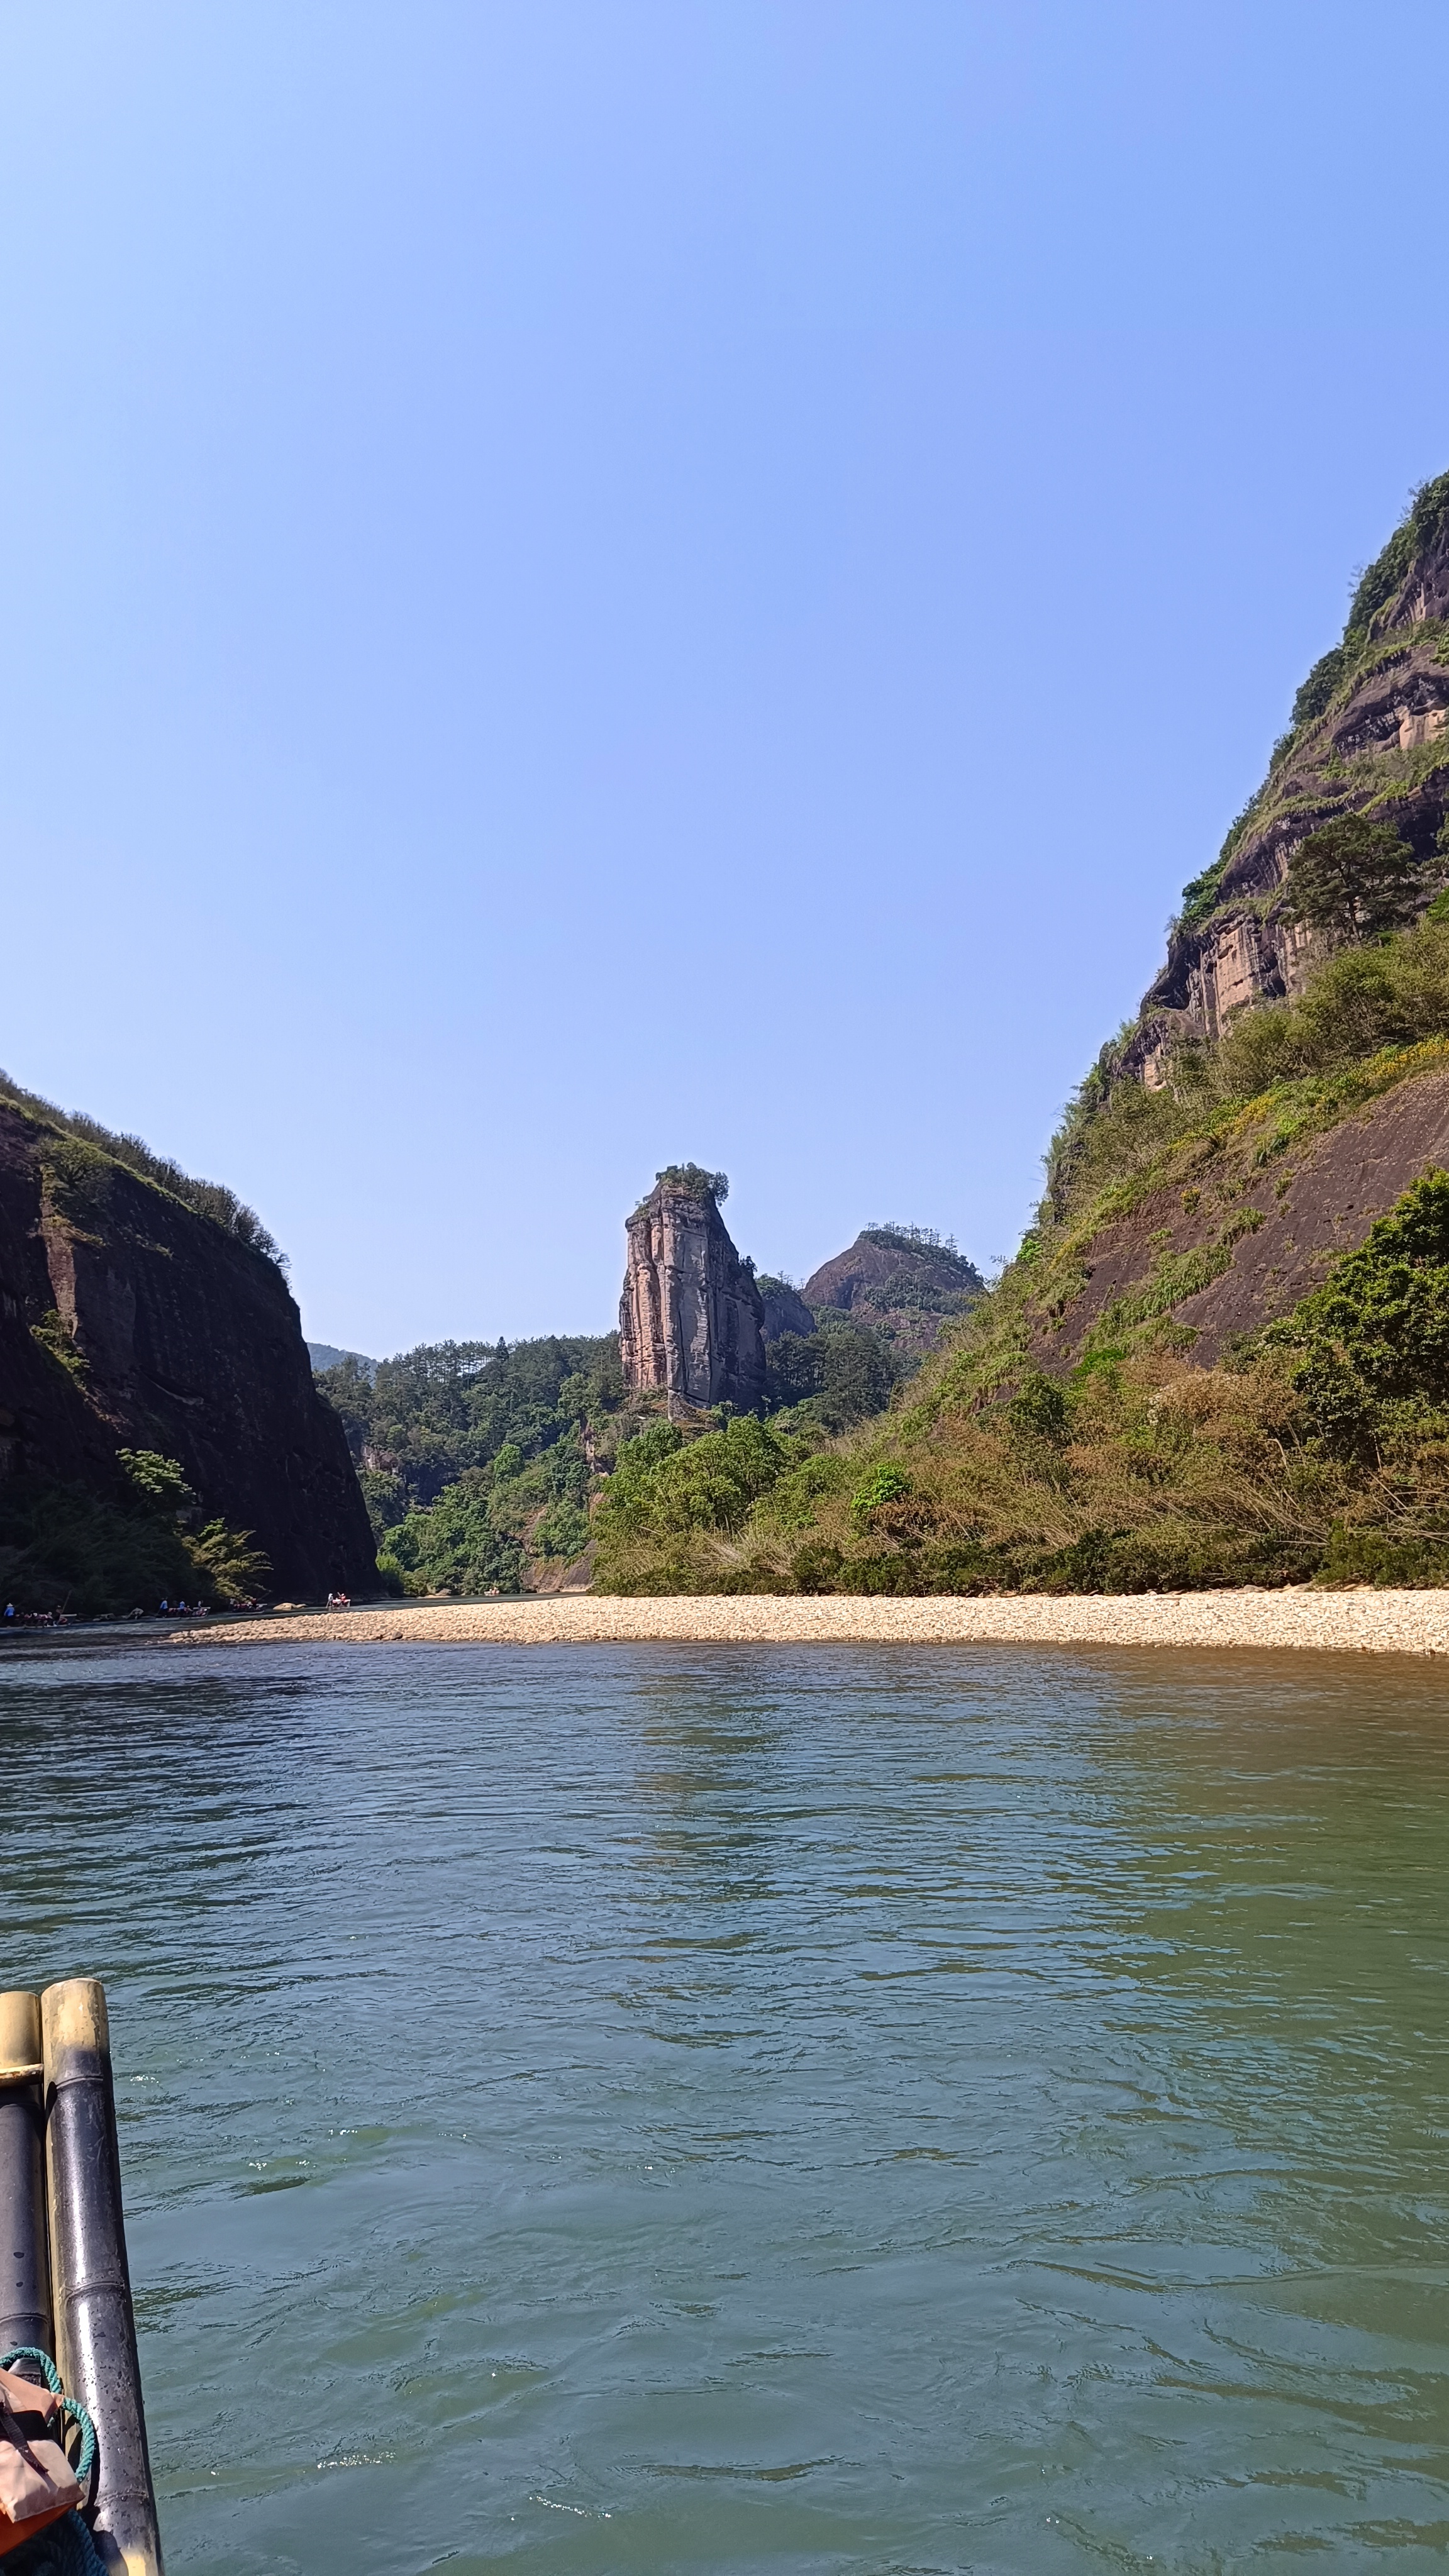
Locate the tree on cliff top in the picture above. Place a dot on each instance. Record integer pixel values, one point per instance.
(695, 1181)
(1356, 878)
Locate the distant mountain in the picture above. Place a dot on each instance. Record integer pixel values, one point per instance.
(904, 1280)
(785, 1310)
(326, 1355)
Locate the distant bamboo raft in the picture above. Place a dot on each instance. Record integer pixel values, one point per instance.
(65, 2285)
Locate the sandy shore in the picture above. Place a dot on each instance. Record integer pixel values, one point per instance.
(1387, 1623)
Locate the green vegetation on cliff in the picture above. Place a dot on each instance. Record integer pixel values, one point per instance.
(64, 1548)
(1375, 780)
(83, 1146)
(146, 1319)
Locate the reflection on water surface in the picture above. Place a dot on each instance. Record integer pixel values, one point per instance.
(651, 2108)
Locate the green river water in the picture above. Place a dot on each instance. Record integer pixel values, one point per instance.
(651, 2108)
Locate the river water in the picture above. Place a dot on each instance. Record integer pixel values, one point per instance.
(650, 2108)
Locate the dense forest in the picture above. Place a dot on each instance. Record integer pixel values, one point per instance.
(475, 1458)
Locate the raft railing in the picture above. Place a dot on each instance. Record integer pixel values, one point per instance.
(65, 2284)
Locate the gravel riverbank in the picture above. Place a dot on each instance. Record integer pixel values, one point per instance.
(1359, 1622)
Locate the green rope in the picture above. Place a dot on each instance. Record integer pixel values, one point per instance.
(64, 2548)
(68, 2405)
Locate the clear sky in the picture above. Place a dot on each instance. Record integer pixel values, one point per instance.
(594, 582)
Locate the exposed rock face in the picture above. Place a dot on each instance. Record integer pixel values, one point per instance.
(690, 1318)
(1269, 1226)
(177, 1337)
(901, 1280)
(784, 1309)
(1370, 734)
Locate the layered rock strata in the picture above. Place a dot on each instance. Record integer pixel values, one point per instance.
(690, 1318)
(127, 1320)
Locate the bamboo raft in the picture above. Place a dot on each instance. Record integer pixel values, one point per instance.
(65, 2286)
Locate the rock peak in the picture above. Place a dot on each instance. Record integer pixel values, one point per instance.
(690, 1316)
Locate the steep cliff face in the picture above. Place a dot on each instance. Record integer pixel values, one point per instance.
(690, 1318)
(127, 1320)
(1370, 734)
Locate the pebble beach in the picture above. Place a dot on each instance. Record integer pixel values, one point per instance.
(1360, 1622)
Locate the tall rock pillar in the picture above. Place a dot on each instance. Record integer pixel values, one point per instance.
(690, 1317)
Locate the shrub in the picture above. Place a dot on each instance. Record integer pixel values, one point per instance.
(695, 1181)
(54, 1335)
(1377, 1331)
(885, 1484)
(563, 1530)
(1040, 1408)
(158, 1481)
(229, 1561)
(668, 1503)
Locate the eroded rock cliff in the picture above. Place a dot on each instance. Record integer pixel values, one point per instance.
(1220, 1207)
(690, 1318)
(1369, 734)
(128, 1320)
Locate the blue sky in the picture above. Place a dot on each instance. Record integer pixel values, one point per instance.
(588, 583)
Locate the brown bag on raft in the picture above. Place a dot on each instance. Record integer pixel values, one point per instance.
(37, 2483)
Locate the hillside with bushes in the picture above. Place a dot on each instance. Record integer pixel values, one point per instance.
(1221, 1354)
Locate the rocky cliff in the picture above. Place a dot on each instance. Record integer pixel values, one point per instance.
(130, 1320)
(690, 1318)
(1368, 735)
(783, 1309)
(1200, 1189)
(1220, 1356)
